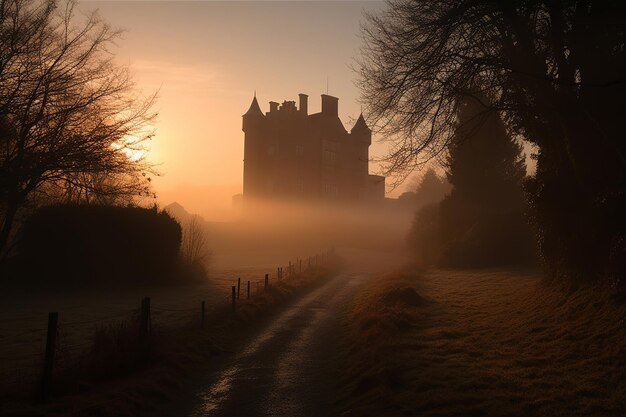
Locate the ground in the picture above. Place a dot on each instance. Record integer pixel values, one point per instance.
(86, 313)
(24, 314)
(473, 343)
(287, 369)
(407, 343)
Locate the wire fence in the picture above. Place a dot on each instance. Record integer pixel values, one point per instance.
(39, 350)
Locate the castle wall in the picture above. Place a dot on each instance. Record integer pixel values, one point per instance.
(291, 154)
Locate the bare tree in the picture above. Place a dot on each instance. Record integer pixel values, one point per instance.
(102, 188)
(194, 247)
(70, 118)
(554, 71)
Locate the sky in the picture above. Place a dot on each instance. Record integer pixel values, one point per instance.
(206, 59)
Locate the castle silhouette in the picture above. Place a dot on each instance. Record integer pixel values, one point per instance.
(291, 154)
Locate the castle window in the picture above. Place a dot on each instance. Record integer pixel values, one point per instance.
(330, 188)
(329, 157)
(299, 150)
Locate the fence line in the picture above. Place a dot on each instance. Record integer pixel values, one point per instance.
(57, 340)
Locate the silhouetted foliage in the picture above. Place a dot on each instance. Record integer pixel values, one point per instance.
(194, 249)
(482, 221)
(71, 123)
(424, 236)
(554, 71)
(432, 188)
(85, 245)
(117, 351)
(428, 189)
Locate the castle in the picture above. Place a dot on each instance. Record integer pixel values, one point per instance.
(290, 154)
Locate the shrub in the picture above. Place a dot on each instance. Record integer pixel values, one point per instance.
(84, 244)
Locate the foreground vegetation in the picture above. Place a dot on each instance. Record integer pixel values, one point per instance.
(115, 377)
(485, 342)
(81, 245)
(72, 125)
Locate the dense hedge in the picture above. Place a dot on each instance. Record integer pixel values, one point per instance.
(84, 244)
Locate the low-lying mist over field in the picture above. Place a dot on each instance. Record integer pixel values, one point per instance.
(268, 231)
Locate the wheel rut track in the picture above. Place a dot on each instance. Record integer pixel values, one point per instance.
(286, 369)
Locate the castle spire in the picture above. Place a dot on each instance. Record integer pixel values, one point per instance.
(254, 108)
(360, 124)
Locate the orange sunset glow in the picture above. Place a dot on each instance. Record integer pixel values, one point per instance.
(206, 59)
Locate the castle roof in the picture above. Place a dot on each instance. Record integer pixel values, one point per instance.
(360, 124)
(329, 123)
(254, 108)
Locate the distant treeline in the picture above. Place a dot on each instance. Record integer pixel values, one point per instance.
(81, 244)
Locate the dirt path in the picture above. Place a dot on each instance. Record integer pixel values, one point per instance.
(285, 370)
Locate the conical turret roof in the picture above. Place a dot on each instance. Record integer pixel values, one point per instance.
(254, 109)
(360, 124)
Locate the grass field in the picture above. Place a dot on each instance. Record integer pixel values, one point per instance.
(24, 314)
(108, 378)
(482, 343)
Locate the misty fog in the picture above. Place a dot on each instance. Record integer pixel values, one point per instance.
(266, 232)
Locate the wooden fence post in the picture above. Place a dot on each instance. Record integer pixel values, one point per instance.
(238, 286)
(48, 364)
(234, 298)
(278, 273)
(202, 316)
(267, 279)
(248, 290)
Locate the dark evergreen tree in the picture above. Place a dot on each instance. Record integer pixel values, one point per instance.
(482, 220)
(431, 189)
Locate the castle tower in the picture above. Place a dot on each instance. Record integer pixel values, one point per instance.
(361, 130)
(361, 139)
(253, 127)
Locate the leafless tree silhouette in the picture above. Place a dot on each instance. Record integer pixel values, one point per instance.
(194, 243)
(70, 118)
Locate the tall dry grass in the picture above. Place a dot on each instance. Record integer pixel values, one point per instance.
(490, 342)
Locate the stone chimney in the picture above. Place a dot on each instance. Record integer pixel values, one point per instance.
(330, 105)
(304, 104)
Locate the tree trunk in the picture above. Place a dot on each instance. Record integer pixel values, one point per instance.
(7, 227)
